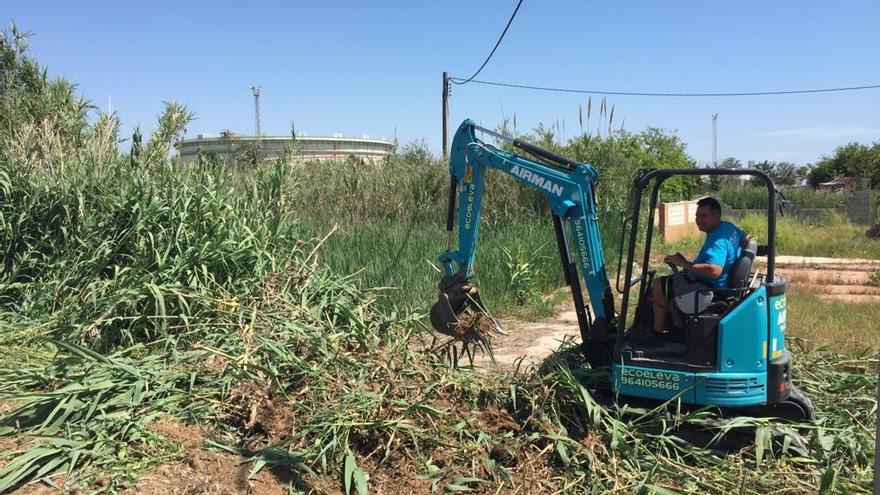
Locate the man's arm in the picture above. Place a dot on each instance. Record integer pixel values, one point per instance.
(708, 270)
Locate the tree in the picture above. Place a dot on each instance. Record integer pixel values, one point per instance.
(767, 167)
(32, 104)
(851, 160)
(730, 162)
(717, 182)
(785, 174)
(803, 173)
(822, 171)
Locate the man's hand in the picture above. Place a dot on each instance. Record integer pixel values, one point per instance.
(677, 259)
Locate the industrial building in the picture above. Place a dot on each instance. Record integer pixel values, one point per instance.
(230, 147)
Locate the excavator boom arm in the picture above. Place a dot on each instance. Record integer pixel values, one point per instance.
(569, 188)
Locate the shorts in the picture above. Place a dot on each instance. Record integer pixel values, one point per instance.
(667, 285)
(676, 286)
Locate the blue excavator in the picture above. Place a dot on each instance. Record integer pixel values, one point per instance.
(732, 351)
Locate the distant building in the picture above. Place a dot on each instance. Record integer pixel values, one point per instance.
(838, 184)
(228, 146)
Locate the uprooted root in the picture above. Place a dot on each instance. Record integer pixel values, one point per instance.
(473, 327)
(472, 332)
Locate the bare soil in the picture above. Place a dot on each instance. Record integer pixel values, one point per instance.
(259, 412)
(18, 443)
(8, 443)
(812, 276)
(205, 472)
(528, 343)
(866, 290)
(833, 279)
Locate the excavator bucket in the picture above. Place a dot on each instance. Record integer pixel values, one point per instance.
(457, 297)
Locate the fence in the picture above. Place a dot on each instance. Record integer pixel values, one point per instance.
(676, 220)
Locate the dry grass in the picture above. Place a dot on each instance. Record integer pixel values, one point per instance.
(842, 326)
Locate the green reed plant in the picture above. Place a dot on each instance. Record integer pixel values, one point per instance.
(753, 197)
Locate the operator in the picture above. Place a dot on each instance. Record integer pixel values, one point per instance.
(709, 269)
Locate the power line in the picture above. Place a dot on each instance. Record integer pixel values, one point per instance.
(671, 95)
(463, 81)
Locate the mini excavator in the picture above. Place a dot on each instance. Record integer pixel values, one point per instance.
(732, 353)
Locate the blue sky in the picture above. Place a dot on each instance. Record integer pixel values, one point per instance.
(375, 67)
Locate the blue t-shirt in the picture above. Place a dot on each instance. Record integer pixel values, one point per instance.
(722, 247)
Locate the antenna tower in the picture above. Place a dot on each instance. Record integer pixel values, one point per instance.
(715, 140)
(256, 92)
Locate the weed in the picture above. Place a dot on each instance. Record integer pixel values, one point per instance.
(520, 267)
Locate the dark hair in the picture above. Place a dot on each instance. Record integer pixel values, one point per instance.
(712, 203)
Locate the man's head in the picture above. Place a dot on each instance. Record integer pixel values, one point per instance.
(708, 214)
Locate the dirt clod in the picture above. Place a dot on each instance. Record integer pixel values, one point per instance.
(215, 364)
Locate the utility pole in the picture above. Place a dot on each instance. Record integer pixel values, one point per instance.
(877, 445)
(256, 92)
(715, 140)
(445, 113)
(453, 183)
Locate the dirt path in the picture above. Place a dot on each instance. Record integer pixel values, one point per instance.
(834, 279)
(531, 341)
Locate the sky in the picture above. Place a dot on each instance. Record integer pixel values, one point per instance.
(375, 68)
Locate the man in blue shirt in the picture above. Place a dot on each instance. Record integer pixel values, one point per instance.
(710, 268)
